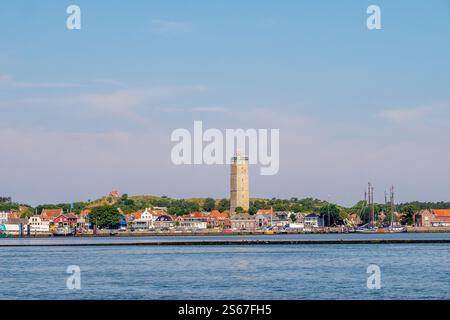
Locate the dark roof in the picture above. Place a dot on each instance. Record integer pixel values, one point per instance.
(242, 216)
(17, 221)
(164, 217)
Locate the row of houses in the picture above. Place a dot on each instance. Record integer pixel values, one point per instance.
(157, 219)
(43, 223)
(269, 220)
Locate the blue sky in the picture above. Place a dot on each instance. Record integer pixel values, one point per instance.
(90, 110)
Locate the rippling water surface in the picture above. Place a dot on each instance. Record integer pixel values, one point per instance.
(408, 271)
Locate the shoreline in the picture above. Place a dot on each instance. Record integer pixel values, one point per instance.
(128, 234)
(236, 242)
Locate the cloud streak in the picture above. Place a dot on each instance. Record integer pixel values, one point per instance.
(8, 81)
(413, 116)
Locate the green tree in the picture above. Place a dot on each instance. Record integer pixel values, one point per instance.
(104, 216)
(409, 211)
(333, 212)
(27, 213)
(296, 207)
(224, 205)
(5, 200)
(252, 210)
(239, 210)
(209, 204)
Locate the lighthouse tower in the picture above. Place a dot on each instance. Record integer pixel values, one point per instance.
(239, 195)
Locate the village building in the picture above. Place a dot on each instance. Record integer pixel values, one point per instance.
(263, 221)
(312, 220)
(433, 218)
(353, 220)
(217, 219)
(164, 222)
(267, 219)
(83, 219)
(38, 225)
(50, 214)
(4, 216)
(114, 194)
(65, 220)
(15, 225)
(144, 219)
(193, 221)
(281, 219)
(265, 211)
(243, 222)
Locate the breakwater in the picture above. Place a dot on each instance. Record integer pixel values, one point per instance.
(232, 243)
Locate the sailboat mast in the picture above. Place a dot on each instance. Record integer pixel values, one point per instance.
(392, 205)
(371, 206)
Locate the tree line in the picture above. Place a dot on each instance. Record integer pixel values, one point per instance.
(126, 204)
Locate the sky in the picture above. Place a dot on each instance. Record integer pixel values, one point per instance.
(84, 112)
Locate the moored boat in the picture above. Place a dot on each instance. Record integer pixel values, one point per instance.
(64, 232)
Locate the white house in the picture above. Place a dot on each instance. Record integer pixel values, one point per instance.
(144, 219)
(193, 221)
(312, 220)
(4, 216)
(38, 224)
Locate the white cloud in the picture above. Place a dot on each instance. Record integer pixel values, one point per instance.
(118, 103)
(413, 115)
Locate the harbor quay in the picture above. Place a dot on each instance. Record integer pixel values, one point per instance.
(126, 234)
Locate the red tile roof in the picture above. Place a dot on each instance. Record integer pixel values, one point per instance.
(441, 213)
(114, 194)
(193, 215)
(158, 212)
(71, 215)
(137, 215)
(215, 214)
(265, 211)
(51, 213)
(84, 213)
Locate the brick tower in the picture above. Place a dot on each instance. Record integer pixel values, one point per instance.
(239, 195)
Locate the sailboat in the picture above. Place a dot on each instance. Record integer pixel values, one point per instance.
(371, 227)
(391, 228)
